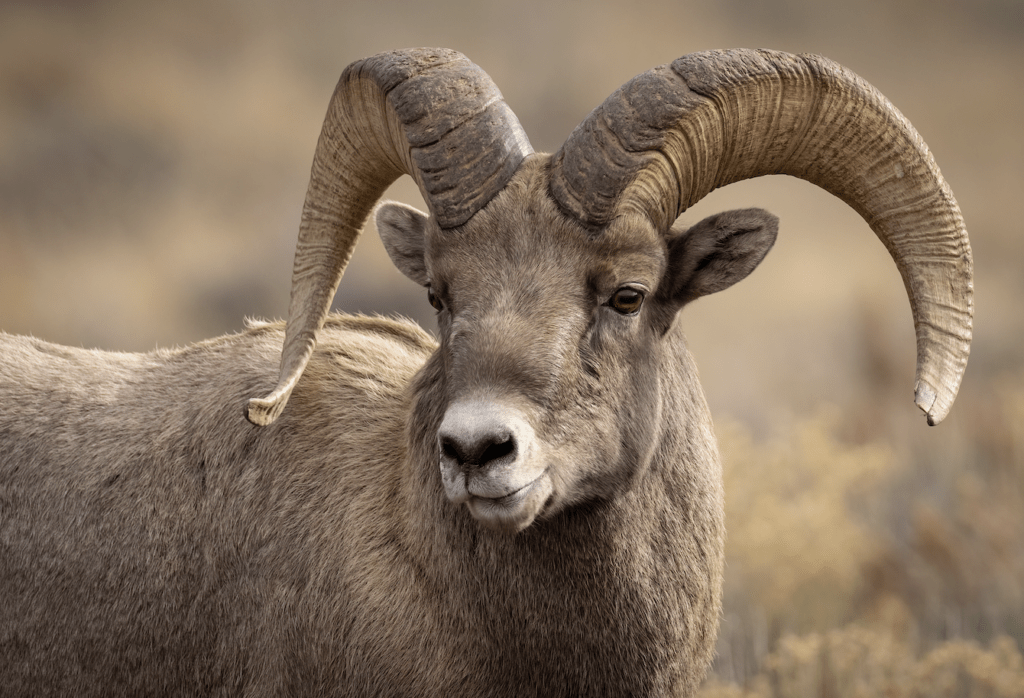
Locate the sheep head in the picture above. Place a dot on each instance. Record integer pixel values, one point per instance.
(553, 274)
(551, 340)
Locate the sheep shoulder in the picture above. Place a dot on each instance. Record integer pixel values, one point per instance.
(154, 541)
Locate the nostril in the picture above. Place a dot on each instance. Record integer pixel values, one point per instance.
(477, 449)
(482, 435)
(498, 450)
(450, 450)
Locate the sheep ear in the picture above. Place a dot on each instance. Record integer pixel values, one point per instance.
(719, 251)
(402, 229)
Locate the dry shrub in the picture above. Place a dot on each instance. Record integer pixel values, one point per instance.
(853, 662)
(856, 662)
(796, 544)
(792, 529)
(716, 688)
(915, 554)
(954, 531)
(962, 668)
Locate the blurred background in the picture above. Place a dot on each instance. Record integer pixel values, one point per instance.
(153, 162)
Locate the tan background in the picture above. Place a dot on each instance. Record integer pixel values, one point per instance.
(154, 156)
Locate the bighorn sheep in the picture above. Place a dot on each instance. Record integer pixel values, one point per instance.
(531, 505)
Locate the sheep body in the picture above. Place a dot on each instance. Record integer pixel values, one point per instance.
(154, 541)
(193, 553)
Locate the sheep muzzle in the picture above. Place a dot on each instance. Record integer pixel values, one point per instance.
(491, 461)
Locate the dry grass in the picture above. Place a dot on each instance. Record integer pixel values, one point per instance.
(853, 571)
(153, 159)
(856, 662)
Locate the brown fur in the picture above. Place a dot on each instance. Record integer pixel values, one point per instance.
(183, 551)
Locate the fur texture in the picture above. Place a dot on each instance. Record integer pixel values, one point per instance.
(180, 550)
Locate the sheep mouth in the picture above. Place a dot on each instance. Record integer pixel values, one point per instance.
(513, 511)
(510, 500)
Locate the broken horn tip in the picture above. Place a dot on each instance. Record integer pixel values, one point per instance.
(927, 399)
(264, 411)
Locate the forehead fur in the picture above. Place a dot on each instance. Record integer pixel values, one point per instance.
(523, 225)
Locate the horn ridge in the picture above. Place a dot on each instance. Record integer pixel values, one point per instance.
(670, 136)
(400, 112)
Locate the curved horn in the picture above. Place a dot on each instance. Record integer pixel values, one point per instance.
(429, 113)
(670, 136)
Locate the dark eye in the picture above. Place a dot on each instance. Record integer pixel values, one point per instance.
(434, 300)
(626, 300)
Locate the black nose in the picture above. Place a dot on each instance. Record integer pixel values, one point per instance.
(476, 447)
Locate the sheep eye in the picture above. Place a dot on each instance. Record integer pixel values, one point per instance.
(626, 300)
(434, 300)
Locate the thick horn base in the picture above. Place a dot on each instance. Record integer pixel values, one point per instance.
(670, 136)
(428, 113)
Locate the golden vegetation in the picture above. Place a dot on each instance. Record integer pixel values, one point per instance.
(865, 570)
(153, 159)
(857, 662)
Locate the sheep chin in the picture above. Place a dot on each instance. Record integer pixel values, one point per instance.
(515, 511)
